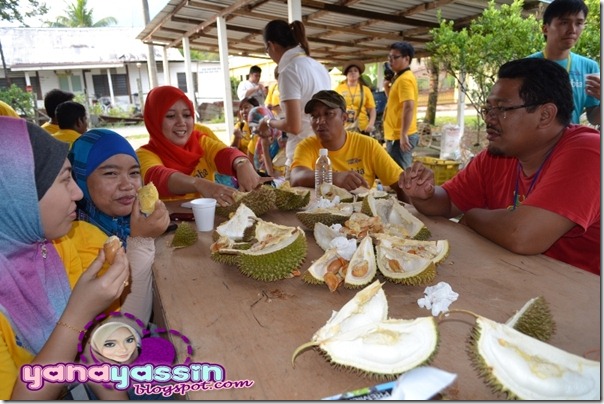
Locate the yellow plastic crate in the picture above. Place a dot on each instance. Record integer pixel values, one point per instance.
(443, 169)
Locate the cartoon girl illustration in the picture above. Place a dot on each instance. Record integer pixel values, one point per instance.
(116, 342)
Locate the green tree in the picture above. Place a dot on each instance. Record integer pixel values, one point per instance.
(12, 10)
(589, 43)
(497, 36)
(20, 100)
(79, 15)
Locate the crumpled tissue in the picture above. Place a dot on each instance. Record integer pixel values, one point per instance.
(344, 247)
(438, 298)
(420, 384)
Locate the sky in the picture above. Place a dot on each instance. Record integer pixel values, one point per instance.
(128, 13)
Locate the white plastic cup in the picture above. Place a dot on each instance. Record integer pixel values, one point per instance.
(203, 211)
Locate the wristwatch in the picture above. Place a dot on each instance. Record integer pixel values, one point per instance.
(268, 120)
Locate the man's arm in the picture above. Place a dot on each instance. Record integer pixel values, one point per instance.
(302, 176)
(526, 230)
(406, 119)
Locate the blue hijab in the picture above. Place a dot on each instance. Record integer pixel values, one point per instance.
(87, 153)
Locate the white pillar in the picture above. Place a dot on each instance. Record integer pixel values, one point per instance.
(166, 64)
(186, 48)
(461, 103)
(223, 48)
(112, 96)
(294, 10)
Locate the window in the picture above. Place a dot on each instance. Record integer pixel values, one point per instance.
(182, 81)
(101, 85)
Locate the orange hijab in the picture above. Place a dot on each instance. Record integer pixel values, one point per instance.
(182, 158)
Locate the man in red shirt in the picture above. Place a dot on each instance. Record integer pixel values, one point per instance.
(536, 189)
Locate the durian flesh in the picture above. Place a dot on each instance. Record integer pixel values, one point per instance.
(240, 226)
(401, 267)
(529, 369)
(396, 216)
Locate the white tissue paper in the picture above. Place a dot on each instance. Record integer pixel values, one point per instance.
(438, 298)
(344, 247)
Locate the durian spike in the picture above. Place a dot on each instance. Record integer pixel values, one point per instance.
(301, 348)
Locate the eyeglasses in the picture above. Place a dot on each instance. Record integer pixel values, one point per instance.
(329, 115)
(394, 57)
(487, 112)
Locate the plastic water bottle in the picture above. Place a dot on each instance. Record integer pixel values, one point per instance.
(323, 172)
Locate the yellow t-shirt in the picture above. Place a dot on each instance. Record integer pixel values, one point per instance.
(403, 89)
(67, 135)
(247, 136)
(206, 168)
(50, 127)
(353, 100)
(204, 130)
(360, 153)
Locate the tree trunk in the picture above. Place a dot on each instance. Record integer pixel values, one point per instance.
(433, 96)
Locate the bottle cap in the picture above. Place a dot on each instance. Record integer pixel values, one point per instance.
(322, 152)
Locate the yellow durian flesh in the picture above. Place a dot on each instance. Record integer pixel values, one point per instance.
(362, 266)
(529, 369)
(400, 267)
(147, 197)
(436, 250)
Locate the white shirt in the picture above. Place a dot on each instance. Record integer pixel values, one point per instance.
(246, 85)
(300, 77)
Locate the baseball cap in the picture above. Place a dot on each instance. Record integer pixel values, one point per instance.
(327, 97)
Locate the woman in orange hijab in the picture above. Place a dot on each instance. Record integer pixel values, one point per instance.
(180, 161)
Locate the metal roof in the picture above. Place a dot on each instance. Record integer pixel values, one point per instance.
(337, 30)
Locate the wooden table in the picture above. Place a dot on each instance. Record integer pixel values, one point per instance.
(252, 328)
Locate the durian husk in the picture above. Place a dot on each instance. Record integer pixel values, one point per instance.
(225, 251)
(394, 214)
(184, 236)
(259, 200)
(291, 198)
(360, 338)
(534, 319)
(400, 267)
(240, 226)
(328, 216)
(525, 368)
(330, 191)
(362, 267)
(436, 250)
(278, 251)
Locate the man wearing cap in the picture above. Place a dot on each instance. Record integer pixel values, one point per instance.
(360, 104)
(400, 117)
(356, 160)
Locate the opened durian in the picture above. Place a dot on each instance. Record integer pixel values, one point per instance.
(330, 191)
(362, 192)
(290, 198)
(362, 266)
(437, 251)
(361, 338)
(401, 267)
(277, 252)
(396, 217)
(526, 368)
(324, 234)
(184, 236)
(330, 215)
(240, 226)
(534, 319)
(259, 200)
(331, 267)
(225, 250)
